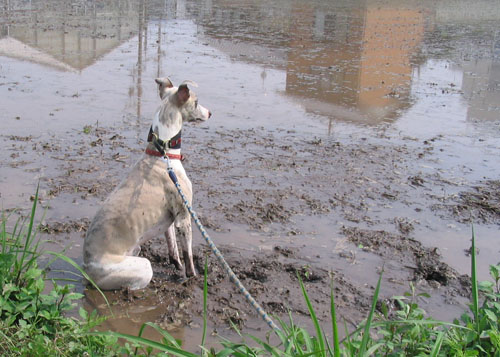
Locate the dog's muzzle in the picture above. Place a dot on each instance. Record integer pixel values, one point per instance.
(202, 114)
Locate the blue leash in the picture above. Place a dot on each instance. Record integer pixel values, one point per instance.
(217, 253)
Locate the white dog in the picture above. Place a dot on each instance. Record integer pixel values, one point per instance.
(146, 203)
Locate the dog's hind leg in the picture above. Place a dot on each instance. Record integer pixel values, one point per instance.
(173, 252)
(116, 272)
(183, 231)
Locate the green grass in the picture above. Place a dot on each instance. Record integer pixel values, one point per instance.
(34, 323)
(333, 315)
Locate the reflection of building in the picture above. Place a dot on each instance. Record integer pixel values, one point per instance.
(350, 60)
(466, 11)
(481, 87)
(64, 34)
(477, 50)
(360, 60)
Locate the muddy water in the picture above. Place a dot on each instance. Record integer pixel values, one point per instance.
(378, 115)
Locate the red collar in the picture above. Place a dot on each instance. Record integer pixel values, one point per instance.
(170, 156)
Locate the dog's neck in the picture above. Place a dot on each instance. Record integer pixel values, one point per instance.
(167, 123)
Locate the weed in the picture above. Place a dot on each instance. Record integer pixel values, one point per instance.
(34, 323)
(87, 129)
(482, 336)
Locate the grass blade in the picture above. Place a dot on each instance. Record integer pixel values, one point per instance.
(27, 242)
(307, 340)
(205, 292)
(85, 275)
(475, 297)
(141, 330)
(348, 338)
(336, 344)
(329, 348)
(166, 336)
(374, 348)
(270, 349)
(3, 232)
(314, 318)
(437, 345)
(366, 332)
(144, 341)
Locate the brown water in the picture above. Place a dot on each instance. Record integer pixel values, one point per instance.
(398, 71)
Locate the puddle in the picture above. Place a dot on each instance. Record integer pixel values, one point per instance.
(377, 115)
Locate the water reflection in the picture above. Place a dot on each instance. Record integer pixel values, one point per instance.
(361, 59)
(129, 317)
(141, 47)
(356, 60)
(337, 57)
(348, 60)
(481, 88)
(143, 32)
(72, 36)
(63, 34)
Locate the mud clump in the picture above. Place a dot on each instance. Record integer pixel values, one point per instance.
(257, 214)
(481, 204)
(426, 263)
(380, 242)
(431, 268)
(65, 227)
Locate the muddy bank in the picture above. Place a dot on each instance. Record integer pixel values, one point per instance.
(369, 196)
(270, 277)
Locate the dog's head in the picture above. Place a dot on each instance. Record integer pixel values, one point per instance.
(184, 98)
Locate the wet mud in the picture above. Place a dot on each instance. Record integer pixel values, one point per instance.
(271, 277)
(272, 184)
(480, 204)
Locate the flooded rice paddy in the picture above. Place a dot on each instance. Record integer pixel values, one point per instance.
(345, 136)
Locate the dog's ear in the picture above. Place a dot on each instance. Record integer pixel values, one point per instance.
(183, 94)
(191, 83)
(165, 81)
(183, 91)
(163, 84)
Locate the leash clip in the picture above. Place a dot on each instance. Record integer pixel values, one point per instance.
(170, 171)
(167, 161)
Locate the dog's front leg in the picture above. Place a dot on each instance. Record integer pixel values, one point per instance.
(184, 232)
(173, 252)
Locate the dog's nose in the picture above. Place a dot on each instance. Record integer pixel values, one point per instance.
(209, 113)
